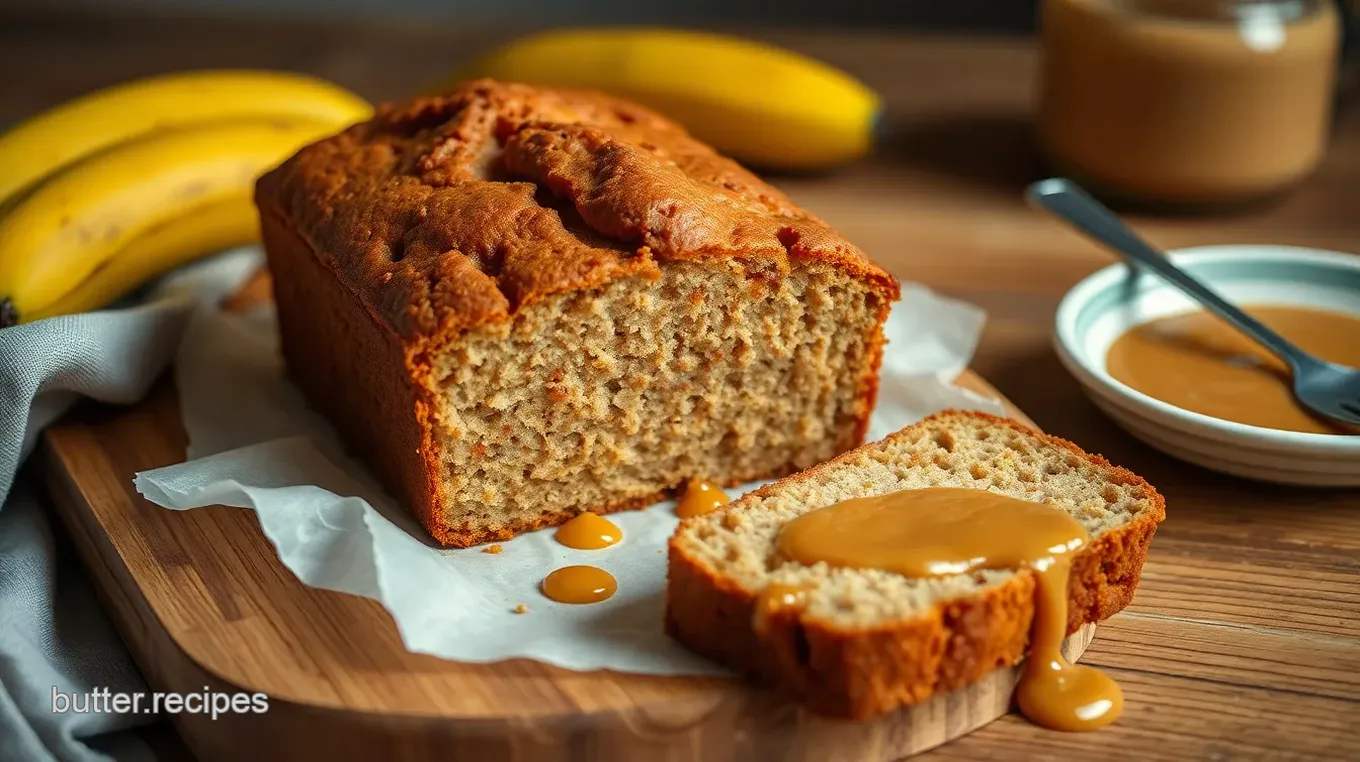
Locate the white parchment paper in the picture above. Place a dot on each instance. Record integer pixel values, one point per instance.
(254, 444)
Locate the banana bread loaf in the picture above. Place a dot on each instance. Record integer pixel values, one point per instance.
(518, 304)
(869, 641)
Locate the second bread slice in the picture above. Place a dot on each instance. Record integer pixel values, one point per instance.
(869, 641)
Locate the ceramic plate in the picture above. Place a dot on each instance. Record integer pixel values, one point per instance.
(1113, 300)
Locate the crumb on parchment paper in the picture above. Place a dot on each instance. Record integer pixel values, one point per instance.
(521, 609)
(492, 549)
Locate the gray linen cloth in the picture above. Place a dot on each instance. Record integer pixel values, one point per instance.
(53, 634)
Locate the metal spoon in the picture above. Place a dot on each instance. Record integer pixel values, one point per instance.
(1328, 389)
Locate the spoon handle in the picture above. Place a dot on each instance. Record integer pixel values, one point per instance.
(1070, 203)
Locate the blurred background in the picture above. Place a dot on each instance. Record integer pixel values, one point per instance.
(975, 15)
(959, 80)
(388, 49)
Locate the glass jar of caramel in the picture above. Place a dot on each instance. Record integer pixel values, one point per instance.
(1187, 102)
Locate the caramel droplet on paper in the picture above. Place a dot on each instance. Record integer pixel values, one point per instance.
(588, 531)
(579, 584)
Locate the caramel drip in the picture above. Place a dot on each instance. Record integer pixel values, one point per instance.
(1199, 363)
(774, 599)
(588, 531)
(1054, 692)
(941, 531)
(700, 497)
(579, 584)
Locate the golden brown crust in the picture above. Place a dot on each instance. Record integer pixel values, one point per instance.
(862, 673)
(449, 212)
(363, 387)
(868, 391)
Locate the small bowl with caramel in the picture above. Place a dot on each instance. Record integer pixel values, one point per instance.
(1189, 384)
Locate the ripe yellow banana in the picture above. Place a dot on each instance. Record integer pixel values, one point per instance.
(759, 104)
(79, 218)
(207, 230)
(55, 138)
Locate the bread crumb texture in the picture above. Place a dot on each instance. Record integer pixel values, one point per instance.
(869, 640)
(651, 389)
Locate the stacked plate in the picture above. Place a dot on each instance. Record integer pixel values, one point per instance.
(1109, 302)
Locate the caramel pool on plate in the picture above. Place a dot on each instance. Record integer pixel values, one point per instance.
(1200, 363)
(941, 531)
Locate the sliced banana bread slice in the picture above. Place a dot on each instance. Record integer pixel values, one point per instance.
(869, 641)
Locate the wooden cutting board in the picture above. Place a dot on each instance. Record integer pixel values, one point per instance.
(204, 604)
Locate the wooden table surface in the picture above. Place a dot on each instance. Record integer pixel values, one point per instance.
(1244, 639)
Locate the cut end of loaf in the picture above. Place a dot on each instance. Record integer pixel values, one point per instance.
(608, 399)
(868, 641)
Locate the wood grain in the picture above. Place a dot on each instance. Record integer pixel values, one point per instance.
(1242, 641)
(202, 600)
